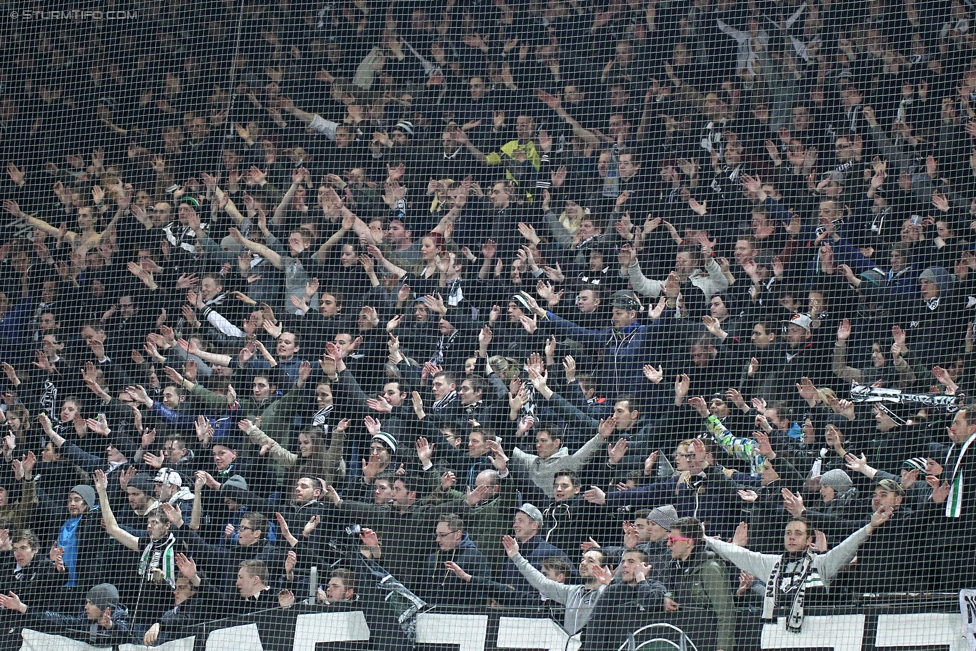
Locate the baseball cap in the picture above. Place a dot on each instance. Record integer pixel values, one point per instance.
(168, 476)
(801, 320)
(625, 299)
(531, 511)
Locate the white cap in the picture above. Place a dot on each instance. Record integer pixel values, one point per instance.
(169, 476)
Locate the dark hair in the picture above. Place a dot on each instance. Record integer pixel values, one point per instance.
(567, 473)
(690, 528)
(802, 519)
(410, 483)
(478, 383)
(640, 553)
(272, 375)
(486, 433)
(453, 521)
(348, 578)
(29, 536)
(447, 375)
(259, 522)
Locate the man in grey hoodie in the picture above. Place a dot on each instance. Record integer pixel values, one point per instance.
(580, 600)
(552, 456)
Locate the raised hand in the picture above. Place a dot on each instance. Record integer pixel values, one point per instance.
(511, 546)
(793, 502)
(652, 374)
(187, 566)
(617, 451)
(844, 330)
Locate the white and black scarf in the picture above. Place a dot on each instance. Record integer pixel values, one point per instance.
(320, 419)
(446, 401)
(159, 554)
(790, 576)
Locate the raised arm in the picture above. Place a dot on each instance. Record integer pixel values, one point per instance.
(344, 228)
(279, 212)
(555, 104)
(260, 249)
(111, 524)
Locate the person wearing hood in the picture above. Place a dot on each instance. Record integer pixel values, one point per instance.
(105, 622)
(534, 548)
(649, 533)
(79, 540)
(937, 322)
(839, 497)
(699, 585)
(625, 344)
(552, 456)
(443, 587)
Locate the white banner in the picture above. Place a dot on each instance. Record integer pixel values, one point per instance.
(517, 633)
(329, 627)
(842, 632)
(922, 630)
(37, 641)
(235, 638)
(467, 631)
(183, 644)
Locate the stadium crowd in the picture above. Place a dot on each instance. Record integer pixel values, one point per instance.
(620, 312)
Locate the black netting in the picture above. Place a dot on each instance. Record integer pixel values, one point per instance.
(487, 325)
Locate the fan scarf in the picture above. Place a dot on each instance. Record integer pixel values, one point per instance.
(954, 503)
(794, 577)
(159, 554)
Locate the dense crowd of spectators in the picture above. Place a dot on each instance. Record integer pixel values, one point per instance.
(548, 307)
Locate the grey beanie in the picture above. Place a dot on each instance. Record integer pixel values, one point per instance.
(87, 493)
(663, 516)
(234, 482)
(103, 595)
(836, 479)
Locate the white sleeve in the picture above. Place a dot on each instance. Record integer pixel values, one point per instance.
(641, 283)
(323, 126)
(222, 324)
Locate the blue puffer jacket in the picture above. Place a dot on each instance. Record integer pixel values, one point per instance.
(625, 350)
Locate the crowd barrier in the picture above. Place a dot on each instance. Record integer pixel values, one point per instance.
(938, 627)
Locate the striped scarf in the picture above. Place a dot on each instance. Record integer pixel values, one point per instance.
(790, 576)
(159, 554)
(954, 503)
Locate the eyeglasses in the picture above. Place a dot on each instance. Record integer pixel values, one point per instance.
(439, 535)
(243, 528)
(674, 539)
(684, 455)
